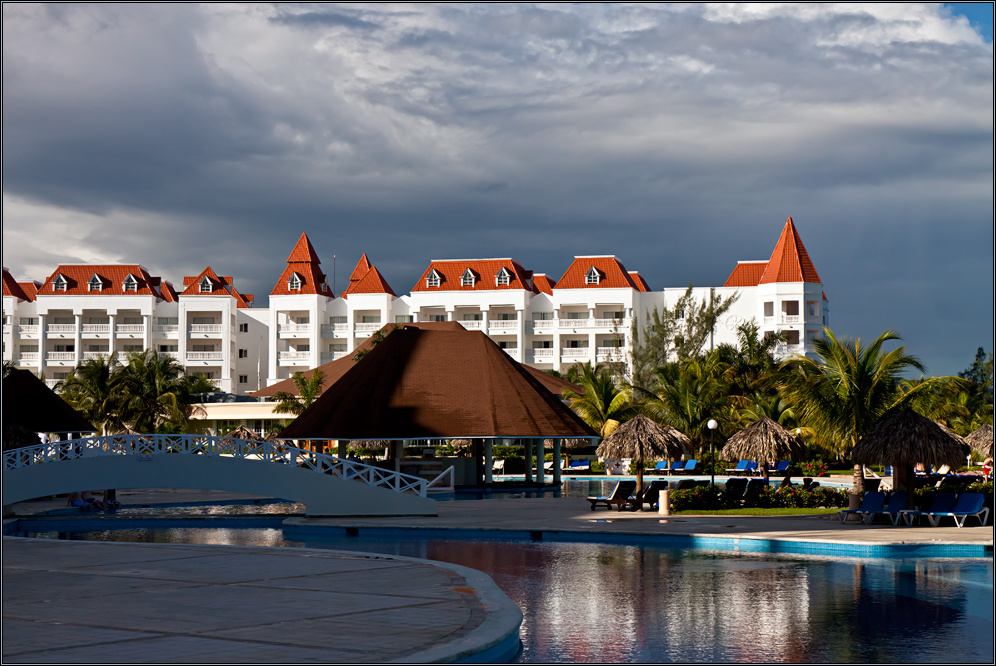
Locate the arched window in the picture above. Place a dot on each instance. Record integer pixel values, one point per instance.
(592, 276)
(294, 283)
(434, 279)
(95, 283)
(130, 283)
(59, 283)
(468, 279)
(503, 277)
(205, 286)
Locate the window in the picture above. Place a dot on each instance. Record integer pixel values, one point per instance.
(371, 319)
(134, 321)
(472, 317)
(165, 349)
(543, 344)
(769, 309)
(791, 337)
(577, 344)
(337, 347)
(243, 353)
(811, 306)
(243, 328)
(618, 315)
(592, 276)
(168, 321)
(95, 284)
(59, 283)
(503, 277)
(338, 320)
(468, 279)
(433, 279)
(403, 319)
(130, 283)
(542, 316)
(790, 308)
(202, 320)
(294, 283)
(437, 317)
(133, 348)
(202, 348)
(577, 315)
(72, 348)
(506, 316)
(243, 379)
(511, 344)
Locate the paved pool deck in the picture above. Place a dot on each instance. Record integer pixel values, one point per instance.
(97, 602)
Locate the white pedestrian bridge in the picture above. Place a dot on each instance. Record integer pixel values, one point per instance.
(325, 484)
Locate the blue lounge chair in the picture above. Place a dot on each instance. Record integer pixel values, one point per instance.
(735, 489)
(651, 495)
(754, 488)
(781, 469)
(870, 503)
(943, 503)
(676, 467)
(741, 467)
(579, 466)
(661, 467)
(893, 510)
(689, 467)
(751, 468)
(620, 496)
(969, 504)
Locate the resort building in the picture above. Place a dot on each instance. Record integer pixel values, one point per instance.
(587, 315)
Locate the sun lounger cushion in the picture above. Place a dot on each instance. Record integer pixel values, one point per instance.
(870, 503)
(619, 498)
(943, 503)
(969, 504)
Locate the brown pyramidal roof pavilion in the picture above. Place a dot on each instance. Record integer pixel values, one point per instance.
(432, 383)
(333, 370)
(30, 404)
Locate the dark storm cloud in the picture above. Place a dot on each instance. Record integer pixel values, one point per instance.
(678, 138)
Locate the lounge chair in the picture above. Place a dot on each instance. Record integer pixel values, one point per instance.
(548, 466)
(872, 502)
(651, 495)
(689, 467)
(754, 487)
(735, 488)
(751, 469)
(620, 496)
(661, 467)
(781, 469)
(498, 467)
(740, 468)
(893, 510)
(969, 504)
(943, 503)
(579, 466)
(686, 484)
(676, 467)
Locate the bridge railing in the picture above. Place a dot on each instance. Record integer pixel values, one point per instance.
(269, 452)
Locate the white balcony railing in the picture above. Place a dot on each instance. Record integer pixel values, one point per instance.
(294, 328)
(472, 324)
(167, 328)
(28, 358)
(60, 356)
(94, 355)
(544, 323)
(206, 356)
(791, 319)
(28, 329)
(544, 353)
(294, 356)
(96, 328)
(333, 356)
(788, 350)
(171, 354)
(60, 328)
(368, 327)
(609, 354)
(52, 383)
(574, 352)
(611, 323)
(576, 323)
(204, 328)
(503, 325)
(335, 330)
(130, 328)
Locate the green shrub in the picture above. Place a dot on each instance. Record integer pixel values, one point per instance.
(813, 468)
(702, 498)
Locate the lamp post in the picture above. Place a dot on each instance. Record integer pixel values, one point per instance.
(712, 424)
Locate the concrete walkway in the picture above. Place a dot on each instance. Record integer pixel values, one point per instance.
(67, 601)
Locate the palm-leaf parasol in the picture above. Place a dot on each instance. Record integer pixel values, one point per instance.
(982, 440)
(763, 440)
(642, 439)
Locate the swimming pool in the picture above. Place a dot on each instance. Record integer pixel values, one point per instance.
(591, 602)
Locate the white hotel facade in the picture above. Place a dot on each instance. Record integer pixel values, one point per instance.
(86, 311)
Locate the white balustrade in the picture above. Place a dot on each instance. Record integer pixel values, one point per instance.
(294, 356)
(574, 352)
(28, 358)
(335, 330)
(205, 356)
(263, 452)
(130, 328)
(167, 328)
(203, 328)
(60, 328)
(96, 328)
(503, 325)
(472, 324)
(368, 327)
(94, 355)
(544, 352)
(60, 356)
(294, 328)
(791, 319)
(609, 354)
(576, 323)
(28, 329)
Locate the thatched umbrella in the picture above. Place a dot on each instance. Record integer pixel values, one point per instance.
(242, 432)
(903, 438)
(642, 439)
(763, 440)
(982, 440)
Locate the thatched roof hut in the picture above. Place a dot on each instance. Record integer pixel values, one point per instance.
(982, 440)
(29, 403)
(765, 441)
(641, 440)
(904, 437)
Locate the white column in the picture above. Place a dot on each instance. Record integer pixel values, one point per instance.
(42, 344)
(272, 361)
(520, 335)
(78, 337)
(146, 331)
(112, 337)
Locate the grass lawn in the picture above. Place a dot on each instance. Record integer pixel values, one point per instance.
(756, 512)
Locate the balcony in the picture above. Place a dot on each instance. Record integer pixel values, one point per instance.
(333, 356)
(335, 330)
(94, 355)
(609, 354)
(502, 325)
(544, 325)
(574, 352)
(294, 357)
(61, 330)
(205, 356)
(130, 330)
(167, 330)
(202, 331)
(294, 330)
(543, 355)
(783, 351)
(60, 357)
(28, 358)
(472, 324)
(52, 383)
(96, 330)
(28, 329)
(364, 329)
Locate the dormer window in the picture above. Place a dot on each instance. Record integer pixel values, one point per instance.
(95, 284)
(503, 277)
(592, 276)
(468, 279)
(294, 283)
(59, 283)
(205, 286)
(434, 279)
(130, 283)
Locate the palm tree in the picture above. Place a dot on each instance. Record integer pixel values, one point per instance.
(844, 393)
(308, 391)
(155, 392)
(603, 405)
(750, 362)
(94, 390)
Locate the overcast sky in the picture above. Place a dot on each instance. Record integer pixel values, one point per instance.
(678, 138)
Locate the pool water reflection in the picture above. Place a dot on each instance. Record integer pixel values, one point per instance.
(610, 603)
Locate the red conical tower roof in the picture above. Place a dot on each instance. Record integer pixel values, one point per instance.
(303, 252)
(790, 262)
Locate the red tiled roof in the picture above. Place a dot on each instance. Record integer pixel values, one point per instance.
(30, 288)
(542, 283)
(362, 266)
(305, 263)
(111, 276)
(486, 270)
(366, 279)
(638, 280)
(613, 274)
(12, 288)
(789, 262)
(168, 292)
(746, 274)
(221, 285)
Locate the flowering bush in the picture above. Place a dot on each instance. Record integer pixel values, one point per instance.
(705, 499)
(813, 468)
